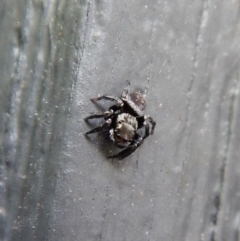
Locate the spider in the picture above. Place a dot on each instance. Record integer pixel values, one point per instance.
(122, 121)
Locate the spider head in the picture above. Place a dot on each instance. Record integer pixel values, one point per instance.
(124, 134)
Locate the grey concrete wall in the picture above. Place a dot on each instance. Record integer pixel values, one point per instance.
(182, 183)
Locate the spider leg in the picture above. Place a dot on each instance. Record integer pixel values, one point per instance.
(126, 90)
(129, 150)
(146, 131)
(153, 123)
(118, 101)
(105, 126)
(143, 121)
(99, 115)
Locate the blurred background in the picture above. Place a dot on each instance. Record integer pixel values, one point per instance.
(183, 183)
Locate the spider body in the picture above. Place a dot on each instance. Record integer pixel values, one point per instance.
(122, 121)
(124, 129)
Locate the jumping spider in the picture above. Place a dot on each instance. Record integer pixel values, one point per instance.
(122, 121)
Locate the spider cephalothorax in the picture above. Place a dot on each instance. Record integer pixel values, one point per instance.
(122, 121)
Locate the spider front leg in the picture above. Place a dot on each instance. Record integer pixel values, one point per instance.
(100, 115)
(104, 127)
(129, 150)
(118, 101)
(153, 123)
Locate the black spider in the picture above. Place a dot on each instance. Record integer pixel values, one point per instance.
(122, 120)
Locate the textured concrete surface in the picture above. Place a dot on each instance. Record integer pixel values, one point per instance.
(182, 183)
